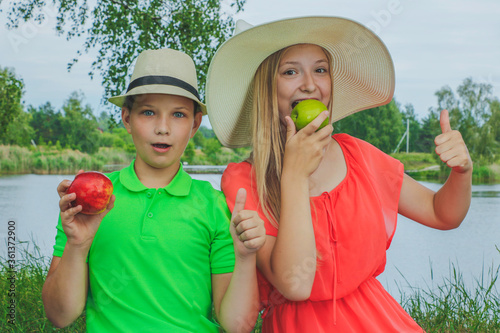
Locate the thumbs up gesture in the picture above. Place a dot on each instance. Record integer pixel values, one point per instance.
(247, 228)
(451, 147)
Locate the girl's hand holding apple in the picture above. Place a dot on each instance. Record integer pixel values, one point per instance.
(305, 149)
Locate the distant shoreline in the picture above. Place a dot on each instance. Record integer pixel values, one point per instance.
(15, 160)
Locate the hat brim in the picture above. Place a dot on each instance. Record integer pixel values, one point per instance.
(362, 70)
(157, 89)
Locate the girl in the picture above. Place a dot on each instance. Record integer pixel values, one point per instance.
(329, 203)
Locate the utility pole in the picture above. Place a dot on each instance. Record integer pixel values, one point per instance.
(407, 135)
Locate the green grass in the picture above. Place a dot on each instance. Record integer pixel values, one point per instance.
(415, 161)
(49, 160)
(451, 306)
(426, 167)
(30, 271)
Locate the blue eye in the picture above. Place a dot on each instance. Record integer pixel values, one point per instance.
(179, 114)
(148, 113)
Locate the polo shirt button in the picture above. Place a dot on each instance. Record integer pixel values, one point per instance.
(149, 194)
(150, 214)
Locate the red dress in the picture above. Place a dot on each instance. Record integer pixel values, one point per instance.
(353, 226)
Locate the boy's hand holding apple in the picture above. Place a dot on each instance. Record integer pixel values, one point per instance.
(84, 202)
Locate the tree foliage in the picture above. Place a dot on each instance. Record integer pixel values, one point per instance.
(381, 126)
(120, 29)
(474, 111)
(476, 114)
(11, 92)
(75, 127)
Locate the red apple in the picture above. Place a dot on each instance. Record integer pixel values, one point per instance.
(93, 191)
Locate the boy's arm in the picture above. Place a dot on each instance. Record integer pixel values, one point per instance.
(236, 295)
(64, 292)
(446, 208)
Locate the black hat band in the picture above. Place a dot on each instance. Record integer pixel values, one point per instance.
(166, 80)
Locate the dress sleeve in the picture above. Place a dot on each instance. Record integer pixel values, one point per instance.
(386, 174)
(241, 175)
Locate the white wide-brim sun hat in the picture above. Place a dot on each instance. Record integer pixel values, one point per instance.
(362, 70)
(163, 71)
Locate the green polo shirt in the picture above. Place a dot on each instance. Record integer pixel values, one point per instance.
(151, 260)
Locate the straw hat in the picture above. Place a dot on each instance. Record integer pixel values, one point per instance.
(362, 69)
(164, 71)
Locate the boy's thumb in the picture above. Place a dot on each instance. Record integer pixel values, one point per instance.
(239, 203)
(444, 121)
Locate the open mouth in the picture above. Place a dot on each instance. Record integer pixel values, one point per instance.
(161, 145)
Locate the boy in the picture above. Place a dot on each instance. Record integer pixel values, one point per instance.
(161, 254)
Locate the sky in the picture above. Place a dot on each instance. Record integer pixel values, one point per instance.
(433, 44)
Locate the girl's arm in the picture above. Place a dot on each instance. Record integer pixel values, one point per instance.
(446, 208)
(236, 295)
(289, 260)
(64, 292)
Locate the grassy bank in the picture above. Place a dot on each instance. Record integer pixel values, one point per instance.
(451, 306)
(49, 160)
(424, 166)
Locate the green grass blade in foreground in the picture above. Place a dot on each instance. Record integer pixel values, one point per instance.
(454, 306)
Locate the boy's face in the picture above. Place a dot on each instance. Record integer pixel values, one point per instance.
(161, 126)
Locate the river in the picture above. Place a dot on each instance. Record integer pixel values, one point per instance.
(418, 256)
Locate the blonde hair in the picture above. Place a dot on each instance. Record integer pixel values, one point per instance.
(269, 135)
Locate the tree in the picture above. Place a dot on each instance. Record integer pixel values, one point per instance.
(11, 92)
(189, 153)
(211, 149)
(474, 113)
(79, 126)
(381, 126)
(429, 130)
(120, 29)
(199, 139)
(19, 131)
(46, 122)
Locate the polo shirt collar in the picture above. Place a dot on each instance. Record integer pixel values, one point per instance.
(179, 186)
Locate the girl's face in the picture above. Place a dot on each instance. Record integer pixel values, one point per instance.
(303, 73)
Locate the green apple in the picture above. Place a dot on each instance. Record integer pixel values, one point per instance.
(306, 111)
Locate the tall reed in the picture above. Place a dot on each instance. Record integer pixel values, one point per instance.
(457, 306)
(21, 286)
(48, 160)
